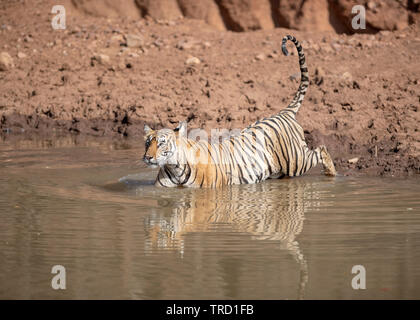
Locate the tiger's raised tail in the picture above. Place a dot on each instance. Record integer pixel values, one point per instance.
(304, 77)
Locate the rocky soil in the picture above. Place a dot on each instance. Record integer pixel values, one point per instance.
(114, 68)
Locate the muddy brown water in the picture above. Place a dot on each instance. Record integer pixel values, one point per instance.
(91, 207)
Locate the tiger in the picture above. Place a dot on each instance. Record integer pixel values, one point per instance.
(273, 147)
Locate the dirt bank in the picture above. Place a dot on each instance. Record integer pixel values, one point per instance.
(106, 76)
(246, 15)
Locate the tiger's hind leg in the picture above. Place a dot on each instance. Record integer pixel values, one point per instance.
(327, 163)
(319, 155)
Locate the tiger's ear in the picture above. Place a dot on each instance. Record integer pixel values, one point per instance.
(147, 129)
(182, 128)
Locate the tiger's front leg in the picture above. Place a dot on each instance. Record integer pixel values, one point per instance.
(164, 180)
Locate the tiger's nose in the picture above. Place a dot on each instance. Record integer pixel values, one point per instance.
(147, 158)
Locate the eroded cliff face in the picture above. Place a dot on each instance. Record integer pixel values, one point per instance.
(245, 15)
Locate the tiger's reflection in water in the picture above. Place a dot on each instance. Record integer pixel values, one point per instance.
(272, 211)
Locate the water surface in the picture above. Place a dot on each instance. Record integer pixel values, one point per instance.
(92, 207)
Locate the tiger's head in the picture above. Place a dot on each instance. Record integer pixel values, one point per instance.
(161, 145)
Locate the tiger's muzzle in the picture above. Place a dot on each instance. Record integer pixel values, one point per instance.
(150, 161)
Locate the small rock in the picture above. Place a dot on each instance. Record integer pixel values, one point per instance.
(336, 46)
(27, 39)
(192, 60)
(117, 38)
(76, 29)
(206, 44)
(102, 58)
(21, 55)
(134, 41)
(6, 61)
(260, 57)
(371, 5)
(347, 76)
(158, 43)
(353, 160)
